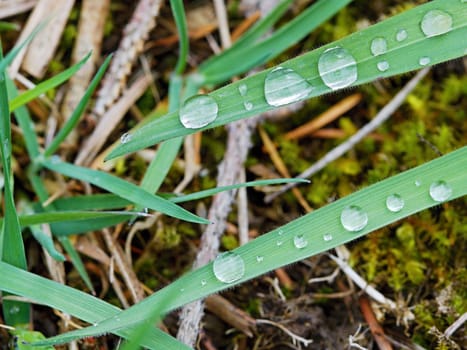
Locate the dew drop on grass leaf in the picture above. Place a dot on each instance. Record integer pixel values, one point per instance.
(382, 66)
(279, 243)
(228, 267)
(13, 310)
(283, 86)
(126, 137)
(242, 89)
(337, 67)
(198, 111)
(55, 159)
(418, 183)
(423, 61)
(248, 105)
(378, 46)
(300, 242)
(327, 237)
(354, 218)
(440, 191)
(259, 258)
(436, 22)
(395, 203)
(401, 35)
(203, 282)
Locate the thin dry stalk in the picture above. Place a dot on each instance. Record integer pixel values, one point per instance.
(13, 8)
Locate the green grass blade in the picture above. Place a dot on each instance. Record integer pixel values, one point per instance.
(402, 57)
(46, 242)
(74, 118)
(73, 302)
(98, 201)
(79, 226)
(15, 313)
(122, 188)
(47, 85)
(277, 248)
(180, 20)
(245, 58)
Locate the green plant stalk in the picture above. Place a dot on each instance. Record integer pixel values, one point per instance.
(180, 21)
(402, 57)
(11, 241)
(277, 249)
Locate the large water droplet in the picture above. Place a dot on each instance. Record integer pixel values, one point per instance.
(401, 35)
(283, 86)
(228, 267)
(327, 237)
(440, 191)
(378, 46)
(382, 66)
(337, 67)
(300, 242)
(436, 22)
(198, 111)
(423, 61)
(242, 89)
(354, 218)
(395, 203)
(126, 137)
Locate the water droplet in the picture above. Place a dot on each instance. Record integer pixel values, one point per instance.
(248, 105)
(279, 243)
(126, 137)
(283, 86)
(378, 46)
(14, 310)
(203, 282)
(55, 159)
(337, 67)
(228, 267)
(423, 61)
(440, 191)
(401, 35)
(354, 218)
(382, 66)
(436, 22)
(327, 237)
(418, 183)
(182, 290)
(242, 89)
(300, 242)
(259, 258)
(395, 203)
(198, 111)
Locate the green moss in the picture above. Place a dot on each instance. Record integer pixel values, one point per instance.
(229, 242)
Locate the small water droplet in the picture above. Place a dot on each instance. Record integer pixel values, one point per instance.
(126, 137)
(378, 46)
(283, 86)
(382, 66)
(242, 89)
(337, 67)
(198, 111)
(259, 258)
(280, 232)
(228, 267)
(440, 191)
(395, 203)
(401, 35)
(55, 159)
(327, 237)
(14, 310)
(354, 218)
(436, 22)
(203, 282)
(182, 290)
(248, 105)
(300, 242)
(423, 61)
(418, 183)
(279, 243)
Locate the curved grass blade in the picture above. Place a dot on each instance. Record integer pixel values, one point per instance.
(78, 111)
(74, 302)
(46, 242)
(47, 85)
(401, 57)
(318, 231)
(122, 188)
(241, 59)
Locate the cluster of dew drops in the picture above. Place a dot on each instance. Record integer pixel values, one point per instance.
(338, 69)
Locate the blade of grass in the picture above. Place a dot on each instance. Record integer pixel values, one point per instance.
(74, 302)
(74, 118)
(15, 313)
(47, 85)
(180, 20)
(121, 188)
(402, 57)
(277, 248)
(243, 58)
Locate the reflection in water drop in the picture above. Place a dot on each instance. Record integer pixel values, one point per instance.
(378, 46)
(337, 67)
(440, 191)
(283, 86)
(436, 22)
(401, 35)
(300, 241)
(354, 218)
(382, 66)
(423, 61)
(228, 267)
(395, 203)
(198, 111)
